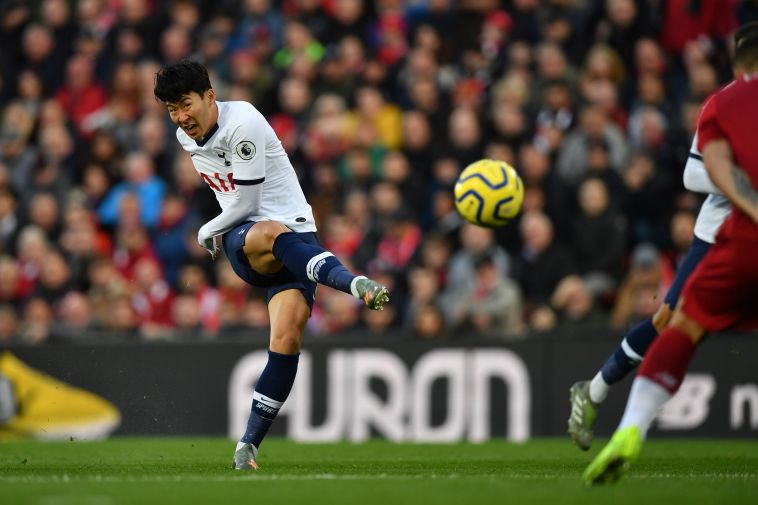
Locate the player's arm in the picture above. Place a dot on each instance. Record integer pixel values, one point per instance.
(246, 201)
(729, 178)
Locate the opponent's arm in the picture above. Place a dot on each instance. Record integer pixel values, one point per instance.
(729, 178)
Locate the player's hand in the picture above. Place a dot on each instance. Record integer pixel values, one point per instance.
(209, 243)
(213, 246)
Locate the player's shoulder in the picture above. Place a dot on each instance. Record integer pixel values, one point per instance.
(238, 115)
(741, 89)
(711, 104)
(237, 112)
(747, 88)
(236, 106)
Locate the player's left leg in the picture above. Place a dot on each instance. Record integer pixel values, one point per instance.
(289, 313)
(270, 244)
(586, 396)
(659, 378)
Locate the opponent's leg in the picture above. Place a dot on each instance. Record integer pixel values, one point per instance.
(662, 372)
(659, 378)
(586, 396)
(289, 313)
(270, 244)
(629, 353)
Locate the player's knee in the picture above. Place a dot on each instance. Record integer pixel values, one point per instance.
(263, 234)
(287, 341)
(689, 326)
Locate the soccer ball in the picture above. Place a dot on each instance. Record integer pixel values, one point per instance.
(489, 193)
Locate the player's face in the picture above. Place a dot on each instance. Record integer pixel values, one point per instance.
(194, 113)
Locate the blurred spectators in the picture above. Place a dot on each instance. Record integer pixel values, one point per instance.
(74, 317)
(575, 303)
(140, 181)
(8, 325)
(598, 238)
(645, 285)
(380, 105)
(489, 304)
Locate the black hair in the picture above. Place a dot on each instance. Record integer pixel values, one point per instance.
(747, 30)
(746, 54)
(178, 79)
(746, 45)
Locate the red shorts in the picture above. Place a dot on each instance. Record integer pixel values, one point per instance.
(722, 292)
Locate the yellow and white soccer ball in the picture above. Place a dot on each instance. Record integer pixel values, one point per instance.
(489, 193)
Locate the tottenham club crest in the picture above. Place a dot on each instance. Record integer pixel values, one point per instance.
(245, 150)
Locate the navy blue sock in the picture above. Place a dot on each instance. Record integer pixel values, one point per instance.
(273, 387)
(311, 263)
(629, 354)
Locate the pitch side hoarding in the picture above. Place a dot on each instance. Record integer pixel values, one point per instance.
(354, 388)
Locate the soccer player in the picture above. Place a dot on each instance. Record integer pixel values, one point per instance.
(586, 396)
(266, 228)
(722, 291)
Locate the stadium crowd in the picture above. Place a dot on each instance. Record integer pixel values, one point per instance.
(380, 104)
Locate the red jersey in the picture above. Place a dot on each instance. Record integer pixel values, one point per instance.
(732, 114)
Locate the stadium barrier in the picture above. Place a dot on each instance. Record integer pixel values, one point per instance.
(354, 388)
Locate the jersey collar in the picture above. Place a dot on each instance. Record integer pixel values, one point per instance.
(204, 140)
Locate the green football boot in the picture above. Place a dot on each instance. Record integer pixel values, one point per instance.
(583, 415)
(614, 460)
(373, 294)
(244, 457)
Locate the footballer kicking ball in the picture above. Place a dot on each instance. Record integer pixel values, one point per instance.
(489, 193)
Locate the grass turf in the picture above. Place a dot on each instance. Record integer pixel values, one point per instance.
(196, 470)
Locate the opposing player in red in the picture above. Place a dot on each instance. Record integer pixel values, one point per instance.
(722, 293)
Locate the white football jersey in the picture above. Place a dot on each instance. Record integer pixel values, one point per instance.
(242, 149)
(715, 208)
(713, 213)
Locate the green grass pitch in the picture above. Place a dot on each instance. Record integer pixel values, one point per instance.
(196, 471)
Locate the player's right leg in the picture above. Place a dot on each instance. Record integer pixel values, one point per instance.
(610, 465)
(289, 312)
(586, 396)
(269, 245)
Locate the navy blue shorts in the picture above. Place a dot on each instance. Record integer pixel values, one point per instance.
(689, 263)
(233, 242)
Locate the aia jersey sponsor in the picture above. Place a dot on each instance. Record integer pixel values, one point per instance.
(242, 149)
